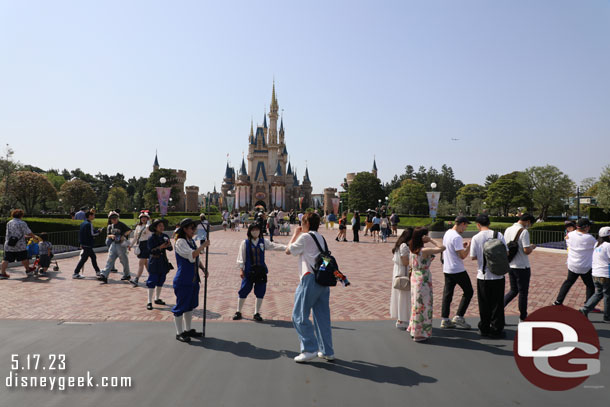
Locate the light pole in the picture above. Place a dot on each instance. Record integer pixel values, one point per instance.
(578, 202)
(162, 181)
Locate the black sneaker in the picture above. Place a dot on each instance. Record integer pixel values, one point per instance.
(159, 302)
(556, 303)
(257, 317)
(194, 334)
(114, 270)
(149, 306)
(183, 337)
(134, 282)
(126, 278)
(103, 279)
(237, 316)
(97, 273)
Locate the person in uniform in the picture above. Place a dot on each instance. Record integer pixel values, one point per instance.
(251, 262)
(187, 281)
(158, 266)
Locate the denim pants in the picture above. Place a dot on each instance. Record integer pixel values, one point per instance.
(310, 296)
(602, 290)
(116, 250)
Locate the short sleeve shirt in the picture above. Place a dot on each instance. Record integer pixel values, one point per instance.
(521, 260)
(601, 260)
(476, 250)
(580, 255)
(454, 243)
(16, 228)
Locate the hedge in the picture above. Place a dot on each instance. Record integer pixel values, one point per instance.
(560, 226)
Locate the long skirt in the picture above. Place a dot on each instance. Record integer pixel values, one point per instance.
(420, 325)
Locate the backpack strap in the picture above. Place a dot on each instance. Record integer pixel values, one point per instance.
(315, 239)
(518, 234)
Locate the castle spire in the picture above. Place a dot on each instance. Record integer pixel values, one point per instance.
(156, 163)
(265, 120)
(251, 131)
(306, 177)
(274, 104)
(243, 171)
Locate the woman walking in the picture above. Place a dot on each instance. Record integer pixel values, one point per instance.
(356, 226)
(375, 228)
(158, 265)
(342, 228)
(187, 281)
(140, 242)
(384, 224)
(420, 324)
(601, 274)
(399, 300)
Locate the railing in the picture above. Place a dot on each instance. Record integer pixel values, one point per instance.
(551, 239)
(66, 241)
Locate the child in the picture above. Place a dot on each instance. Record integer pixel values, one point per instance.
(45, 250)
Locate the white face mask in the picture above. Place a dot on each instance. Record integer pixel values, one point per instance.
(255, 233)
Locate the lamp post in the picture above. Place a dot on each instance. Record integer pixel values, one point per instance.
(162, 181)
(578, 202)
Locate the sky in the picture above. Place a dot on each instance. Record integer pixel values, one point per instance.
(102, 85)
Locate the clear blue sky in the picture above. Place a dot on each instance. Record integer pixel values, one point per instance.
(101, 85)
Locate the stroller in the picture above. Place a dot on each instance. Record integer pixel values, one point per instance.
(284, 228)
(33, 250)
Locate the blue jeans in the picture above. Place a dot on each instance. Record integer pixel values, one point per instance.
(602, 290)
(116, 250)
(312, 296)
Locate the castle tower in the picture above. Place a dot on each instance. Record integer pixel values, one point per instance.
(306, 190)
(156, 163)
(374, 171)
(243, 189)
(278, 189)
(192, 198)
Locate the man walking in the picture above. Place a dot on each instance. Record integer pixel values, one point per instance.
(118, 233)
(86, 236)
(316, 339)
(580, 260)
(520, 272)
(455, 274)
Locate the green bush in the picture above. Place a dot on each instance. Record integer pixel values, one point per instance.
(560, 226)
(437, 226)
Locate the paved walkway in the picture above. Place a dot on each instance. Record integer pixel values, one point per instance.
(368, 266)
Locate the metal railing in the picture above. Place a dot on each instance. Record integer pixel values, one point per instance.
(66, 241)
(551, 239)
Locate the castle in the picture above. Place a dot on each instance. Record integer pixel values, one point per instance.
(187, 201)
(269, 179)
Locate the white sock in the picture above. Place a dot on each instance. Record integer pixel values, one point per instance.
(240, 304)
(158, 293)
(178, 322)
(188, 318)
(257, 307)
(150, 295)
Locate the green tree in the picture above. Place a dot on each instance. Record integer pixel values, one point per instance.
(150, 191)
(55, 179)
(603, 190)
(550, 187)
(470, 192)
(365, 191)
(76, 194)
(117, 199)
(7, 168)
(490, 179)
(409, 198)
(504, 195)
(29, 190)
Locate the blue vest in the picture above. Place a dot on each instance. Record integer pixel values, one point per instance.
(187, 273)
(255, 254)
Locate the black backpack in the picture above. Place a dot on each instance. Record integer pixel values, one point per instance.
(326, 265)
(513, 246)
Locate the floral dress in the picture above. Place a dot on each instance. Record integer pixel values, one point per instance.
(420, 325)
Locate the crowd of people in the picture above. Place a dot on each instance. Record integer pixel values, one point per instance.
(497, 255)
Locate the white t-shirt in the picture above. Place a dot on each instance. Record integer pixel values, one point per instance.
(306, 249)
(601, 260)
(580, 253)
(476, 250)
(452, 262)
(521, 260)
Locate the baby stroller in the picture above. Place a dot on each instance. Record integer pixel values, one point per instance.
(33, 250)
(284, 228)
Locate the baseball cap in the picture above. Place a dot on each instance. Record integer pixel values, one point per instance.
(584, 222)
(462, 219)
(604, 232)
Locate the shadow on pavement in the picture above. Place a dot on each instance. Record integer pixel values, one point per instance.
(471, 340)
(374, 372)
(289, 324)
(241, 349)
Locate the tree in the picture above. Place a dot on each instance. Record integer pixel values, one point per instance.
(603, 190)
(490, 179)
(409, 198)
(30, 189)
(76, 194)
(470, 192)
(588, 186)
(550, 188)
(365, 191)
(56, 180)
(504, 194)
(7, 168)
(117, 199)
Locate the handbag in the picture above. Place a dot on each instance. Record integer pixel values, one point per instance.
(402, 283)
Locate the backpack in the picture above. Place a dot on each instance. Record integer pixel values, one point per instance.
(495, 256)
(325, 266)
(513, 246)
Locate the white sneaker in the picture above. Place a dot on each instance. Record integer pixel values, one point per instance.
(460, 322)
(447, 324)
(305, 357)
(327, 357)
(401, 325)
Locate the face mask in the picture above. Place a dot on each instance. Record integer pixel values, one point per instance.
(255, 233)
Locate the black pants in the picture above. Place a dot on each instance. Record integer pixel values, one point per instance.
(519, 285)
(490, 294)
(587, 278)
(356, 237)
(451, 280)
(271, 232)
(87, 253)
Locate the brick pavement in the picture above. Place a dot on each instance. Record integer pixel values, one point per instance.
(368, 266)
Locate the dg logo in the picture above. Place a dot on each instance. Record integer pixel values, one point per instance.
(557, 348)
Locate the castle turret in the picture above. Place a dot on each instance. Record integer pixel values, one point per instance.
(374, 171)
(156, 163)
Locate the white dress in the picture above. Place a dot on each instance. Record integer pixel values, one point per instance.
(400, 301)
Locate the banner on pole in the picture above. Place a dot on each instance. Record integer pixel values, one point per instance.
(230, 201)
(335, 202)
(163, 194)
(433, 198)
